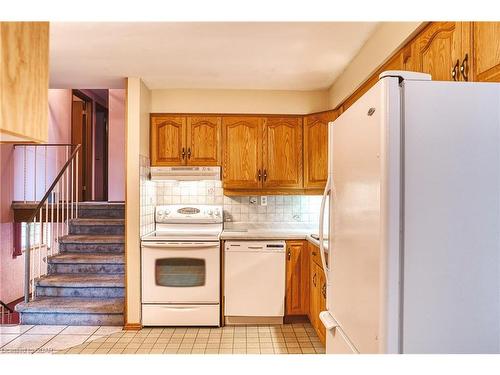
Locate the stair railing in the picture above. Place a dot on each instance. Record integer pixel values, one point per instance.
(5, 311)
(41, 235)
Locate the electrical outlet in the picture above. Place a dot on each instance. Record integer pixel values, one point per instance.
(263, 200)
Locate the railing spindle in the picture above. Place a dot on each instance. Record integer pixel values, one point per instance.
(24, 175)
(77, 190)
(34, 177)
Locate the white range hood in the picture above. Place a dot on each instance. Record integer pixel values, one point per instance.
(185, 173)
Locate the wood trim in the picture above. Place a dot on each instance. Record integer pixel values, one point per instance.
(216, 114)
(132, 327)
(24, 138)
(246, 192)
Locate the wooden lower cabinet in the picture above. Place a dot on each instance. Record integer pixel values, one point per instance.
(317, 296)
(297, 278)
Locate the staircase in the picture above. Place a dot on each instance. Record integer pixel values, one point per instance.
(84, 284)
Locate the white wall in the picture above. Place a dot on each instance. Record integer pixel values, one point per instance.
(238, 101)
(137, 143)
(387, 38)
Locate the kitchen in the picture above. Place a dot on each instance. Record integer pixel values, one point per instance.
(267, 159)
(301, 211)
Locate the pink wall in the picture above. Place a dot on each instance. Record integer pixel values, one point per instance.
(11, 270)
(116, 147)
(11, 188)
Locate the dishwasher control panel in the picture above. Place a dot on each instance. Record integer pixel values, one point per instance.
(253, 246)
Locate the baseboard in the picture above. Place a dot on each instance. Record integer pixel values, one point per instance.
(132, 327)
(296, 319)
(243, 320)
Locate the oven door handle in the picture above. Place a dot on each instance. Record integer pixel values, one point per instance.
(184, 245)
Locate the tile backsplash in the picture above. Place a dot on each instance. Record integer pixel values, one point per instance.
(279, 209)
(189, 192)
(147, 196)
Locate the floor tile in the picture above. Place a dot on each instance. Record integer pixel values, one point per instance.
(60, 342)
(45, 330)
(27, 342)
(14, 329)
(79, 330)
(108, 330)
(5, 338)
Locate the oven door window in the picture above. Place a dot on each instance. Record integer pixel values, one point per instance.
(180, 272)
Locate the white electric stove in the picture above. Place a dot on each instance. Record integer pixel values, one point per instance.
(181, 267)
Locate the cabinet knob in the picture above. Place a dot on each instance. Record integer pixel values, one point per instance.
(189, 153)
(259, 175)
(289, 255)
(454, 71)
(183, 153)
(265, 174)
(464, 67)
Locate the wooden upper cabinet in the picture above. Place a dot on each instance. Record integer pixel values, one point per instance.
(297, 278)
(168, 137)
(442, 48)
(486, 51)
(24, 81)
(203, 140)
(242, 152)
(316, 149)
(282, 152)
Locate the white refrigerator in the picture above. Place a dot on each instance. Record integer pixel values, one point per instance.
(414, 219)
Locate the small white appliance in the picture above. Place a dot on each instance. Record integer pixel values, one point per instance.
(185, 173)
(254, 282)
(414, 218)
(181, 267)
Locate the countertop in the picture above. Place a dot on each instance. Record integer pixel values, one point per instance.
(270, 231)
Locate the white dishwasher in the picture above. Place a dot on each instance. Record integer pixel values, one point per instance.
(254, 282)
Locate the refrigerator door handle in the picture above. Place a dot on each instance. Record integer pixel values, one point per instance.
(321, 234)
(328, 320)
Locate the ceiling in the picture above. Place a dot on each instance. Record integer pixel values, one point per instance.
(196, 55)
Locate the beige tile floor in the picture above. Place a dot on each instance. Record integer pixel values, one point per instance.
(297, 338)
(28, 339)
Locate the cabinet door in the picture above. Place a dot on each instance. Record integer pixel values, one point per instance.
(313, 295)
(440, 50)
(316, 149)
(321, 330)
(203, 140)
(242, 149)
(282, 152)
(297, 278)
(486, 51)
(168, 140)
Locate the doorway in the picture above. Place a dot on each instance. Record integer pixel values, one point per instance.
(89, 127)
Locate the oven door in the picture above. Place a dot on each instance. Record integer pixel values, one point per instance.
(180, 272)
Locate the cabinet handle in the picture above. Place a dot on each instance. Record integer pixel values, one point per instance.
(289, 255)
(265, 174)
(454, 71)
(464, 67)
(323, 290)
(189, 153)
(314, 280)
(259, 176)
(183, 153)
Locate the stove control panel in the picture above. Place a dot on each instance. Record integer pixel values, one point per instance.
(189, 213)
